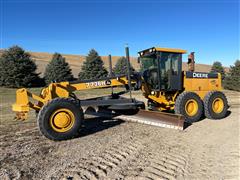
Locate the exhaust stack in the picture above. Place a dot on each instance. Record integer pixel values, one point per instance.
(191, 62)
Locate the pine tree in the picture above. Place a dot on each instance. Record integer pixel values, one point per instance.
(218, 68)
(232, 81)
(58, 70)
(121, 67)
(17, 69)
(92, 67)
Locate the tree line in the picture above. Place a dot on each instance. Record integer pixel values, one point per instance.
(18, 69)
(231, 79)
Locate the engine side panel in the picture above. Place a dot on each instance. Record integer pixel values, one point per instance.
(201, 83)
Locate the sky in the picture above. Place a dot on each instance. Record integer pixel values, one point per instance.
(210, 28)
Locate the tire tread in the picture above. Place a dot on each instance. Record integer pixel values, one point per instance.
(44, 110)
(178, 105)
(206, 99)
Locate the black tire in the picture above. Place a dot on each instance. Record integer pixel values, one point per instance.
(181, 102)
(208, 105)
(150, 105)
(44, 119)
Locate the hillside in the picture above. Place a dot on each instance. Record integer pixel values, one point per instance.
(75, 61)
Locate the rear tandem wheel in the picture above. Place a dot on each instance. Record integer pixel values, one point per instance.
(215, 105)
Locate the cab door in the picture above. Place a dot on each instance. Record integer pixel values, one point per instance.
(170, 71)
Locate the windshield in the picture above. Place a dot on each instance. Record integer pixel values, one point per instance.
(148, 62)
(149, 69)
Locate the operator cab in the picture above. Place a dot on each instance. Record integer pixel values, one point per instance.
(162, 68)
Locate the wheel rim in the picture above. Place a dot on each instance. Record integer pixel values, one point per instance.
(62, 120)
(217, 105)
(191, 107)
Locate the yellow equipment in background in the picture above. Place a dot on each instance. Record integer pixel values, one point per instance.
(161, 79)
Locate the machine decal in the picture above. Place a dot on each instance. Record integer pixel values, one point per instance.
(201, 75)
(108, 82)
(98, 83)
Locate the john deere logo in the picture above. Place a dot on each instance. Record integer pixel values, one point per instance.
(108, 82)
(200, 75)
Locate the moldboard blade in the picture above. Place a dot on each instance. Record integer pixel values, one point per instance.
(154, 118)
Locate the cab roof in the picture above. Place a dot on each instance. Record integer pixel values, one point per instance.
(161, 49)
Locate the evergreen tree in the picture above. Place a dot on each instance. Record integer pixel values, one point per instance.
(232, 81)
(92, 67)
(58, 70)
(17, 69)
(121, 67)
(218, 68)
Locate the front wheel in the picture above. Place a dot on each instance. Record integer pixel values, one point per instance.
(215, 105)
(60, 119)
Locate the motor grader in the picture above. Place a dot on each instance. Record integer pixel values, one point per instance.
(189, 94)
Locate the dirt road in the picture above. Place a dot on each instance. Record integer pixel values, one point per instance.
(112, 149)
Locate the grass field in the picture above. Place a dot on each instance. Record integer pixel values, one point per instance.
(7, 98)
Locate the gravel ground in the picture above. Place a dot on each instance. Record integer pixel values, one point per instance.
(113, 149)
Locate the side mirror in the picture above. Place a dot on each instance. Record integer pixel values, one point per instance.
(138, 60)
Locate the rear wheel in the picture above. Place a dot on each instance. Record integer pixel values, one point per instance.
(215, 105)
(60, 119)
(190, 106)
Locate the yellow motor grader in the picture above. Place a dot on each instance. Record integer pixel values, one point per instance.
(189, 94)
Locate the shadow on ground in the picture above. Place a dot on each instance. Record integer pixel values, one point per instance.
(186, 124)
(96, 124)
